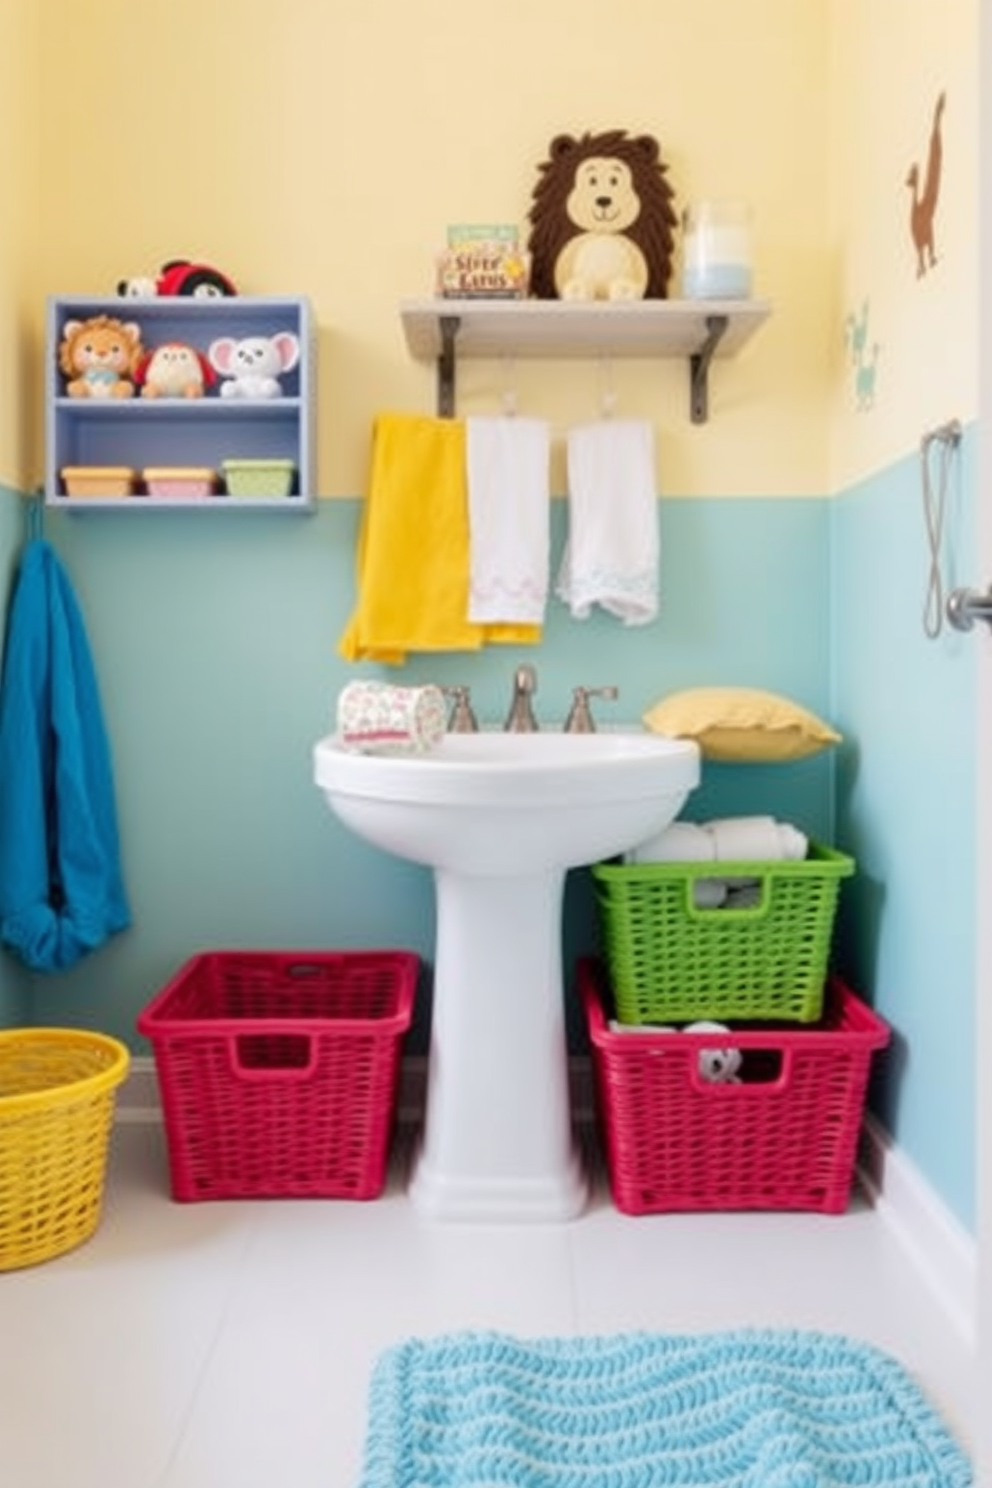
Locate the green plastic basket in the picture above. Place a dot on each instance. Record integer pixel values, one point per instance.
(671, 961)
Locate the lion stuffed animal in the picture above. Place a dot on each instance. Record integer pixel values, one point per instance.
(602, 220)
(99, 357)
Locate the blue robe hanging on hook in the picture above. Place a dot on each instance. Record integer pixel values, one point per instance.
(61, 890)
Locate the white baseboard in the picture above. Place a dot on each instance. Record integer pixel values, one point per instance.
(935, 1241)
(138, 1098)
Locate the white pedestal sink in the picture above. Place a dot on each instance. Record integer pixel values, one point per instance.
(500, 817)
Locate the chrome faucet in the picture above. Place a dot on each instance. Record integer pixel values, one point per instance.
(461, 719)
(580, 719)
(520, 719)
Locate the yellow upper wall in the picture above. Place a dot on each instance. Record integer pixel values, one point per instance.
(19, 160)
(891, 61)
(323, 149)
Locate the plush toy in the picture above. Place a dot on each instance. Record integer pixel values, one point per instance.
(718, 1066)
(100, 356)
(179, 277)
(252, 366)
(602, 220)
(174, 370)
(140, 287)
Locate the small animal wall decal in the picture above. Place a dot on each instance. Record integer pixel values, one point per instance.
(856, 332)
(864, 380)
(863, 358)
(925, 194)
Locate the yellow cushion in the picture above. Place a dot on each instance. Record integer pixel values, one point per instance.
(740, 724)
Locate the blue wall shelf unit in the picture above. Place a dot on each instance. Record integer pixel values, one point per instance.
(140, 433)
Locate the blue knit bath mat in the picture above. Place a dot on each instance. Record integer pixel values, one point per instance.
(751, 1409)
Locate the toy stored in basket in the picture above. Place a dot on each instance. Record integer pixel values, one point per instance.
(672, 960)
(58, 1092)
(278, 1071)
(783, 1135)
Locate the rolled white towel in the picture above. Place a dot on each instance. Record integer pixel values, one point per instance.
(742, 893)
(709, 893)
(379, 718)
(681, 842)
(617, 1027)
(756, 839)
(718, 1066)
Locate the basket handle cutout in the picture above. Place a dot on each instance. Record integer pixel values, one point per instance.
(762, 1071)
(707, 897)
(266, 1056)
(304, 970)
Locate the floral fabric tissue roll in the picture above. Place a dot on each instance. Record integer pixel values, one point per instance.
(378, 718)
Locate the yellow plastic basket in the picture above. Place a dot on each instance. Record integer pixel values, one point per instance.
(57, 1095)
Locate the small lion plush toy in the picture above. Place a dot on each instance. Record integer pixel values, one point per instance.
(602, 220)
(99, 356)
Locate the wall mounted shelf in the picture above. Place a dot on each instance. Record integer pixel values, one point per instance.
(138, 433)
(442, 330)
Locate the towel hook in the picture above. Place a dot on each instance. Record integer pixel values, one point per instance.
(509, 365)
(607, 392)
(36, 514)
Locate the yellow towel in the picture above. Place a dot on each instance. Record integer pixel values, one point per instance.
(413, 548)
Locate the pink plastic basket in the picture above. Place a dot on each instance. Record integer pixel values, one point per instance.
(784, 1137)
(278, 1071)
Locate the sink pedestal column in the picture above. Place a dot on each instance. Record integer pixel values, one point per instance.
(498, 1142)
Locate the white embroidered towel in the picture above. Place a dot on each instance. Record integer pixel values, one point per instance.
(612, 551)
(509, 516)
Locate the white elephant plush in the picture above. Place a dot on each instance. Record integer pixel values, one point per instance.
(251, 367)
(719, 1066)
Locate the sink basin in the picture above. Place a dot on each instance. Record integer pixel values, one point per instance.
(500, 818)
(497, 802)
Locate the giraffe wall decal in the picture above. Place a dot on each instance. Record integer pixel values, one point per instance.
(924, 195)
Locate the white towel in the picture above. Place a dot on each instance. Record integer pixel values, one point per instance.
(507, 463)
(681, 842)
(753, 838)
(612, 550)
(733, 838)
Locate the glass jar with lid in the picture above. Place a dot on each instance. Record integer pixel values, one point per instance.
(716, 251)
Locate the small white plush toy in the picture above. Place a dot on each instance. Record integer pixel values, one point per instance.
(252, 366)
(719, 1066)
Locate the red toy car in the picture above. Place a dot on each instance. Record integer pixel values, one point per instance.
(180, 277)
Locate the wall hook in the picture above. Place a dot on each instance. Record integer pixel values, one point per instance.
(607, 391)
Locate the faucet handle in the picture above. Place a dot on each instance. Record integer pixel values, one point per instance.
(461, 719)
(580, 719)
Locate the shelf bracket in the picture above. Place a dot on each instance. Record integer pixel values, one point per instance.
(449, 326)
(699, 368)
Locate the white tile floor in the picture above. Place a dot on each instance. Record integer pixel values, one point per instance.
(229, 1345)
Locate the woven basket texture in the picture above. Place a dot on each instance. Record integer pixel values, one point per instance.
(784, 1137)
(57, 1097)
(671, 961)
(278, 1071)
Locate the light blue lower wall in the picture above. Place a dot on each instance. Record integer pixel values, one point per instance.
(906, 807)
(214, 637)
